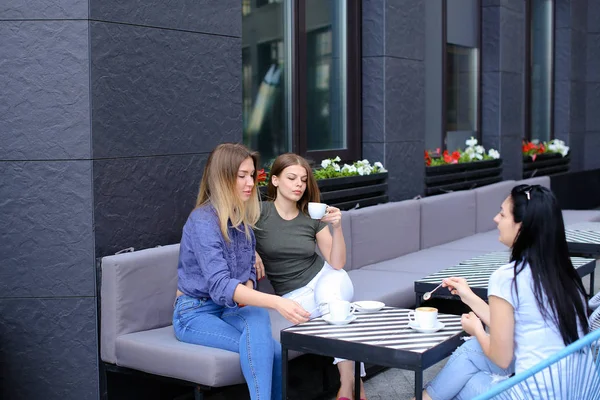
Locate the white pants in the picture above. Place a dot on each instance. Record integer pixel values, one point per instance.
(328, 285)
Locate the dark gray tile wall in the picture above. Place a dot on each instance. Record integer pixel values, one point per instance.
(47, 277)
(592, 85)
(570, 71)
(166, 89)
(106, 119)
(393, 94)
(502, 89)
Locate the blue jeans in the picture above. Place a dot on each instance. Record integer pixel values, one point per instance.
(467, 373)
(245, 330)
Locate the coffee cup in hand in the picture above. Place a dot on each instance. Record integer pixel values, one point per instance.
(340, 310)
(317, 210)
(424, 317)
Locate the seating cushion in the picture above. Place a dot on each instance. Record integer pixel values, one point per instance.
(137, 294)
(446, 217)
(158, 351)
(489, 198)
(426, 261)
(539, 180)
(395, 289)
(575, 216)
(485, 242)
(384, 232)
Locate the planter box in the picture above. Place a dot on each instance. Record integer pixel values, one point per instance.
(449, 178)
(352, 191)
(545, 164)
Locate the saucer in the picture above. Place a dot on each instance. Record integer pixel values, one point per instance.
(327, 318)
(437, 327)
(368, 306)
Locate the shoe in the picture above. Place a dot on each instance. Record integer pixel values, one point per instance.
(341, 398)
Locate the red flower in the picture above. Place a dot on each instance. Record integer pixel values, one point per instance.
(427, 158)
(262, 176)
(456, 156)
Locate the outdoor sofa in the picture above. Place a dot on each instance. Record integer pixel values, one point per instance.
(389, 246)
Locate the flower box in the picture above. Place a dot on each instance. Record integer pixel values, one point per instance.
(452, 177)
(351, 192)
(545, 164)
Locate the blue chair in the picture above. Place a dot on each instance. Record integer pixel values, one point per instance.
(571, 374)
(594, 302)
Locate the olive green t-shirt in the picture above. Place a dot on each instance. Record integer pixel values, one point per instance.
(287, 248)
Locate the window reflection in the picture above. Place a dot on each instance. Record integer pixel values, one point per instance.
(461, 94)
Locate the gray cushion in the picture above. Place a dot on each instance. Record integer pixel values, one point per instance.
(447, 217)
(486, 242)
(384, 232)
(395, 289)
(575, 216)
(158, 351)
(489, 198)
(426, 261)
(137, 294)
(540, 180)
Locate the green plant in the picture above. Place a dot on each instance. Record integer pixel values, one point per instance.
(330, 168)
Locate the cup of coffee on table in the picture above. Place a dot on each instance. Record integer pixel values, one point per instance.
(424, 317)
(317, 210)
(340, 310)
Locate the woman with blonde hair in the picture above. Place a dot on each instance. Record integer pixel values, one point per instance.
(216, 273)
(286, 237)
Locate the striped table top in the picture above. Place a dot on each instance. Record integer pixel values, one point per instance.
(477, 271)
(386, 328)
(584, 233)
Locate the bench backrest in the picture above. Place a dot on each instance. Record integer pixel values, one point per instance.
(137, 294)
(489, 199)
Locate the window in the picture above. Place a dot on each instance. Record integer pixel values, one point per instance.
(301, 78)
(539, 74)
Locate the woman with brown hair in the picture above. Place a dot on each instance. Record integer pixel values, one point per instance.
(216, 273)
(285, 242)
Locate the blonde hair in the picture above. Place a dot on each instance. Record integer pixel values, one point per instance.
(219, 188)
(312, 192)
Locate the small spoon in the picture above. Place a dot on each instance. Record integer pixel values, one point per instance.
(427, 295)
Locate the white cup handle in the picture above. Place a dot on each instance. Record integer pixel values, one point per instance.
(411, 313)
(352, 309)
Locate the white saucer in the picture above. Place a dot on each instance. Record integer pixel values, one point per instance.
(437, 327)
(327, 318)
(368, 306)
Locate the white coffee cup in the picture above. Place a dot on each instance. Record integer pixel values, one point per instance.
(424, 317)
(340, 310)
(317, 210)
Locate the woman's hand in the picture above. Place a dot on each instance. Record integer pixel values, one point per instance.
(458, 287)
(291, 310)
(259, 267)
(333, 217)
(471, 323)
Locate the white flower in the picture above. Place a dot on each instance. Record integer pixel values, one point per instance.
(361, 170)
(336, 167)
(479, 149)
(378, 165)
(365, 162)
(479, 156)
(337, 159)
(326, 163)
(494, 154)
(352, 169)
(471, 142)
(346, 168)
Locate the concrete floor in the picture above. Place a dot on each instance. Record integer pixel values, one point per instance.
(399, 384)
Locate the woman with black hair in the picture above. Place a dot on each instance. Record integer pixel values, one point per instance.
(536, 302)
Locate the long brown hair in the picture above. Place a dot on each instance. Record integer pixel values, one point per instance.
(312, 192)
(218, 188)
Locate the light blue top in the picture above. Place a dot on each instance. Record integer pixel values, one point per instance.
(208, 265)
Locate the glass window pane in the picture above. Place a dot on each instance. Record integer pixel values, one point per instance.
(541, 69)
(461, 94)
(326, 74)
(263, 74)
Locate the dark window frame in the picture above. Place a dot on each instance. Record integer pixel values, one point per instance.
(353, 150)
(528, 65)
(445, 77)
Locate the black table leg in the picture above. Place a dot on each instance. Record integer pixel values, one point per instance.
(357, 379)
(418, 300)
(284, 371)
(592, 278)
(419, 385)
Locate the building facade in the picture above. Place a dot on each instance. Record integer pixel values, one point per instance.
(109, 110)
